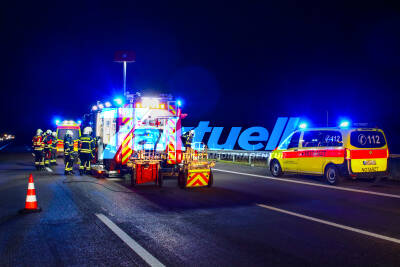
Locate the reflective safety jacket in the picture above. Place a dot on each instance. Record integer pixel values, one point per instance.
(86, 144)
(54, 142)
(38, 143)
(187, 139)
(68, 145)
(48, 140)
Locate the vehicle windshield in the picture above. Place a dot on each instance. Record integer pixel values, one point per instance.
(285, 143)
(148, 139)
(367, 139)
(61, 133)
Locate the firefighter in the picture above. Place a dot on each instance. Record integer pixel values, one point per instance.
(86, 149)
(53, 159)
(187, 138)
(68, 153)
(47, 147)
(38, 146)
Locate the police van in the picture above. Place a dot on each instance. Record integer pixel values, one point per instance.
(334, 153)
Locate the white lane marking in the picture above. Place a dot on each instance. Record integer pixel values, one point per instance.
(313, 184)
(33, 154)
(138, 249)
(48, 169)
(341, 226)
(115, 179)
(1, 148)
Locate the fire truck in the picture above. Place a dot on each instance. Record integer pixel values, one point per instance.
(143, 123)
(142, 137)
(62, 128)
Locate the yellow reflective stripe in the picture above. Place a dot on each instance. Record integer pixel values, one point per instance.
(127, 140)
(126, 157)
(199, 170)
(195, 180)
(125, 149)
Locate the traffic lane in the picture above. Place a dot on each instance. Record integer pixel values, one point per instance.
(242, 235)
(372, 213)
(173, 236)
(383, 186)
(185, 233)
(66, 232)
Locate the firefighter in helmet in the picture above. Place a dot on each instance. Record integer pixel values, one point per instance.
(47, 147)
(68, 153)
(86, 148)
(54, 143)
(187, 138)
(38, 146)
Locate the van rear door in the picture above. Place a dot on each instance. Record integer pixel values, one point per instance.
(368, 151)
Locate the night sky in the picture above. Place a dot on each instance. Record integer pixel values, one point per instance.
(233, 64)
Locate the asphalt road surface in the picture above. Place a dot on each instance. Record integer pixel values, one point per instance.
(245, 219)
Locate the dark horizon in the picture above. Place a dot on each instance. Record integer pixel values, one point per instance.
(234, 65)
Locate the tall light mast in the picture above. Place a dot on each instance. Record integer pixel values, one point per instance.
(125, 57)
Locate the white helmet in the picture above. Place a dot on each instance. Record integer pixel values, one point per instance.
(87, 130)
(49, 132)
(69, 132)
(39, 131)
(54, 134)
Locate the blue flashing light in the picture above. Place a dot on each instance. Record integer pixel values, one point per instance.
(179, 103)
(79, 122)
(344, 124)
(57, 121)
(303, 125)
(118, 101)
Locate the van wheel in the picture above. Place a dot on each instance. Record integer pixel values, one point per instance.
(275, 168)
(332, 175)
(182, 179)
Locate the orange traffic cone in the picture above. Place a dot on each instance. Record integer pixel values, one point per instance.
(31, 202)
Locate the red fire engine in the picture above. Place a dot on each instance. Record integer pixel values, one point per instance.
(143, 138)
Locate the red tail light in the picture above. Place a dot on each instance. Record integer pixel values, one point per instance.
(118, 157)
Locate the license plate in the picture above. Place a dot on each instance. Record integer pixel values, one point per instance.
(370, 169)
(369, 162)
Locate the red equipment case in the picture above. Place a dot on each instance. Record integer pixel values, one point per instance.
(146, 172)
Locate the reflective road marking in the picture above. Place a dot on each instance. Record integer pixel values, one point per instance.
(48, 169)
(138, 249)
(115, 179)
(341, 226)
(313, 184)
(1, 148)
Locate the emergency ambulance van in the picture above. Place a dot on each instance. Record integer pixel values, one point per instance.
(62, 129)
(334, 153)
